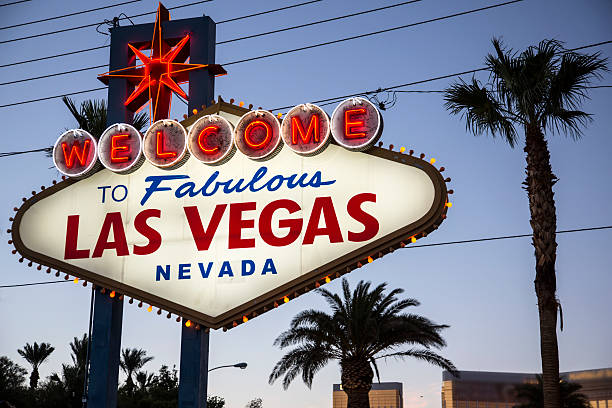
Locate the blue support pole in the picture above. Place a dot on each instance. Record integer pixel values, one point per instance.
(105, 351)
(193, 383)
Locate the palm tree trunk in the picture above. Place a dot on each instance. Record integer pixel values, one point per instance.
(34, 378)
(358, 398)
(540, 180)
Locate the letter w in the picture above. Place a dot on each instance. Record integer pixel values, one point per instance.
(74, 152)
(202, 237)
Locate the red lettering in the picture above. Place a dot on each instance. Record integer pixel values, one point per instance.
(113, 220)
(237, 224)
(155, 239)
(72, 235)
(202, 237)
(115, 149)
(323, 206)
(76, 151)
(159, 147)
(311, 134)
(207, 131)
(249, 130)
(350, 123)
(294, 225)
(370, 224)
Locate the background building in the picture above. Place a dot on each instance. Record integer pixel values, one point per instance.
(481, 389)
(382, 395)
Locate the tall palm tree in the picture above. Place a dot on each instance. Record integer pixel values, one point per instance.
(35, 355)
(364, 326)
(532, 394)
(539, 90)
(132, 360)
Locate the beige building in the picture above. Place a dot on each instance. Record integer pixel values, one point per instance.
(481, 389)
(382, 395)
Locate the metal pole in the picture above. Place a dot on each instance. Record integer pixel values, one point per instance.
(84, 397)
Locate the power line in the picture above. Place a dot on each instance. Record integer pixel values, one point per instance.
(153, 12)
(372, 33)
(53, 97)
(63, 30)
(301, 48)
(70, 14)
(14, 2)
(319, 22)
(7, 154)
(422, 81)
(107, 46)
(32, 284)
(268, 11)
(467, 241)
(320, 101)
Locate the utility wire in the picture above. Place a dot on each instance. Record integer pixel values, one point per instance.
(467, 241)
(63, 30)
(153, 12)
(295, 49)
(76, 13)
(32, 284)
(268, 11)
(373, 33)
(319, 22)
(107, 46)
(321, 100)
(14, 2)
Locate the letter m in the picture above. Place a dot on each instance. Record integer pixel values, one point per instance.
(161, 272)
(298, 129)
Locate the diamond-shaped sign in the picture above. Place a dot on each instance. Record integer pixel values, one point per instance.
(220, 244)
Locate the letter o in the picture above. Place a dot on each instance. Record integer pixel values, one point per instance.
(257, 135)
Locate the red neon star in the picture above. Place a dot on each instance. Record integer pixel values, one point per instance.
(160, 74)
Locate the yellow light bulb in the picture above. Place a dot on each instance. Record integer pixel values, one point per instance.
(76, 280)
(245, 319)
(112, 294)
(327, 279)
(413, 240)
(449, 204)
(188, 323)
(285, 299)
(402, 149)
(150, 308)
(370, 259)
(241, 104)
(432, 161)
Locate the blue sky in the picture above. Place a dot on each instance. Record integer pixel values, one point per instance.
(483, 291)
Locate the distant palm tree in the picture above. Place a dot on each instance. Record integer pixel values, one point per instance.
(144, 380)
(532, 395)
(539, 90)
(365, 326)
(35, 355)
(131, 361)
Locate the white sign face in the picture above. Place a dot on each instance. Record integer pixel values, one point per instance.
(215, 243)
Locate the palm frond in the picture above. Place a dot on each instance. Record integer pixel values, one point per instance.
(425, 355)
(481, 111)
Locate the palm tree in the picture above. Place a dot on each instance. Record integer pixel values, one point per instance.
(91, 116)
(35, 355)
(365, 326)
(144, 380)
(532, 394)
(539, 90)
(131, 361)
